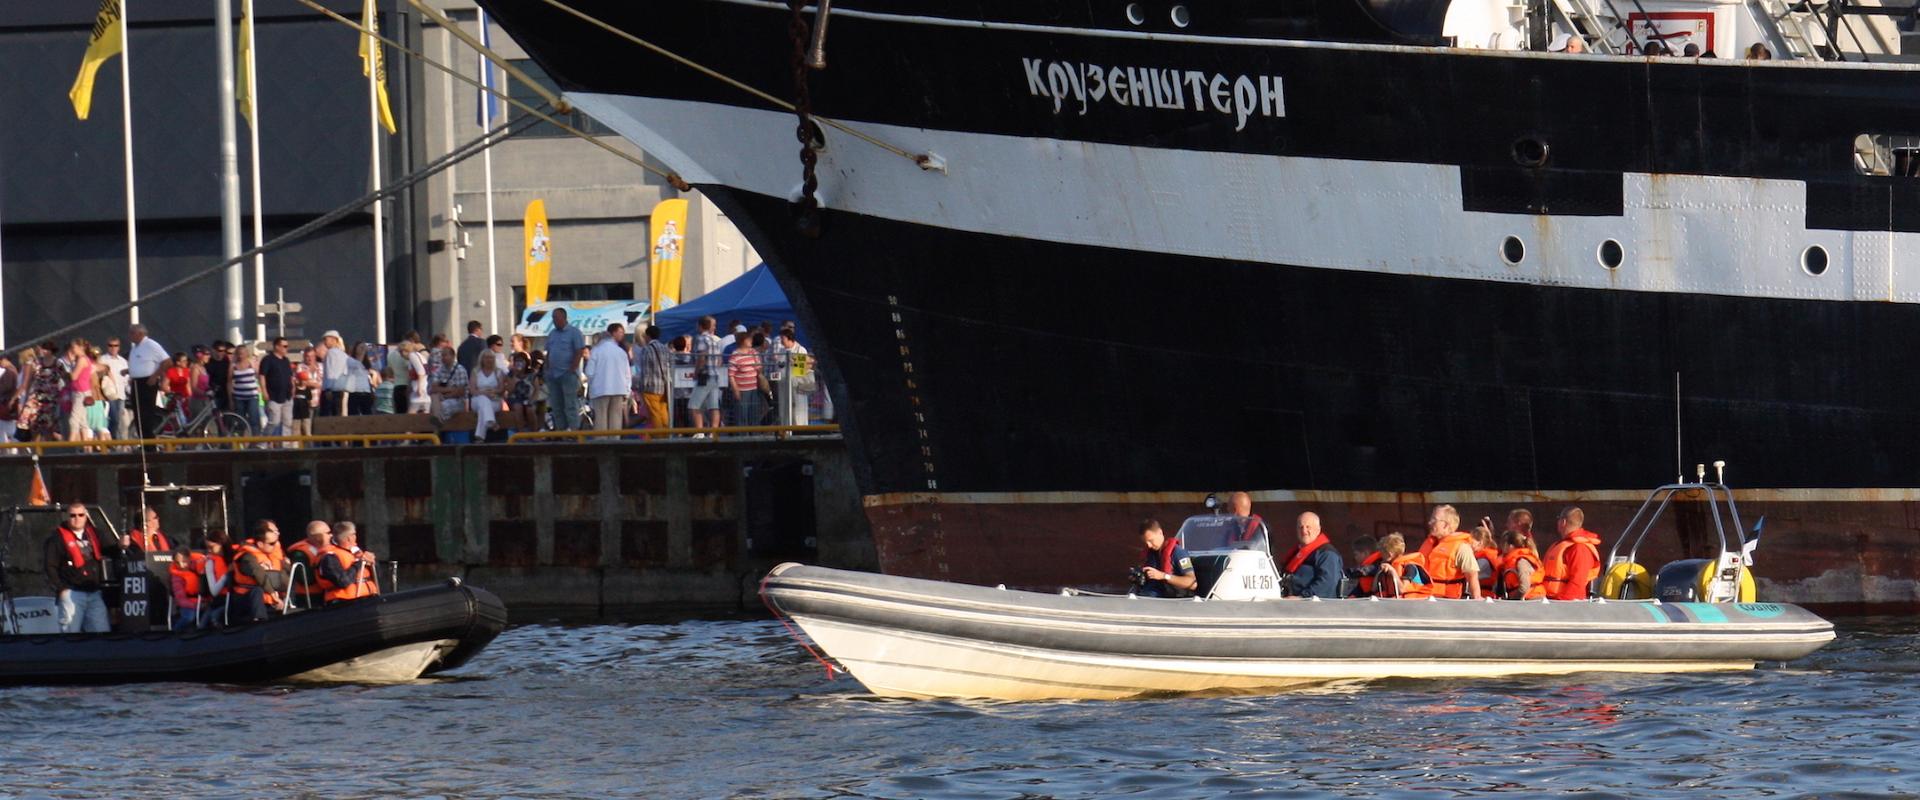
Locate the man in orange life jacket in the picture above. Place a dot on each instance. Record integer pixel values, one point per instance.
(1312, 568)
(75, 565)
(1450, 560)
(259, 574)
(1570, 566)
(1165, 568)
(347, 569)
(311, 554)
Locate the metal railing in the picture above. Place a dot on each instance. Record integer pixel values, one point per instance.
(778, 431)
(217, 442)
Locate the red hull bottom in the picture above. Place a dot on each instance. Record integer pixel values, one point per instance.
(1851, 549)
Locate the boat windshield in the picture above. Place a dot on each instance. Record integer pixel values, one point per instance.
(1224, 532)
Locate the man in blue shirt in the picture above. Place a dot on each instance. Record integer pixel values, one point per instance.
(566, 349)
(1165, 568)
(1313, 568)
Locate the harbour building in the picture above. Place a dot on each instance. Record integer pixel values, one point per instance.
(64, 232)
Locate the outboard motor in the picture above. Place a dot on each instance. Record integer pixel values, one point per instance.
(1679, 582)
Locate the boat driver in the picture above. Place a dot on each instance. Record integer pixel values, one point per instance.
(1165, 568)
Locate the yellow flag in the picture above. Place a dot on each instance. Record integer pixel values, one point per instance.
(669, 224)
(104, 44)
(539, 251)
(375, 64)
(245, 93)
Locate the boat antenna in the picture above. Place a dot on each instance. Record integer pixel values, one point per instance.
(1678, 470)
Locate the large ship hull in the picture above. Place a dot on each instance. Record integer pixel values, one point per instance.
(1331, 274)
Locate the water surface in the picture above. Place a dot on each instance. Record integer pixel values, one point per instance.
(722, 709)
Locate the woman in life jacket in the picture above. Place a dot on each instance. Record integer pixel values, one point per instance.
(1486, 555)
(1519, 568)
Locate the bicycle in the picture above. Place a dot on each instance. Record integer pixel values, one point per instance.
(210, 422)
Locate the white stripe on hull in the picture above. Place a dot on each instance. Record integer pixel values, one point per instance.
(893, 663)
(1681, 233)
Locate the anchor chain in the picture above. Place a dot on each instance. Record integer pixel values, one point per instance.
(807, 208)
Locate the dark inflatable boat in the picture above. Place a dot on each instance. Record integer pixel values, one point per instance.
(393, 637)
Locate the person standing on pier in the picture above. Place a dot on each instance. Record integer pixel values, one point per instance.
(276, 378)
(610, 380)
(653, 376)
(75, 561)
(146, 365)
(113, 386)
(566, 350)
(470, 347)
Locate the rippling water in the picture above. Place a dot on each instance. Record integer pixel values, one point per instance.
(735, 709)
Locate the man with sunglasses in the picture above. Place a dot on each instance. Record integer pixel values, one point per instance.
(75, 568)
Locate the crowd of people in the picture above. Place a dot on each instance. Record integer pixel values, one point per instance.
(1571, 43)
(224, 583)
(1449, 562)
(751, 376)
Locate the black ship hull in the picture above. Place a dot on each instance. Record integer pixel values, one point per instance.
(1372, 278)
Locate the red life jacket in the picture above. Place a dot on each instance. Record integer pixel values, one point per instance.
(1364, 586)
(76, 555)
(1166, 556)
(160, 542)
(1300, 554)
(1254, 524)
(364, 585)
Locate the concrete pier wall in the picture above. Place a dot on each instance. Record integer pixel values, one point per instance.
(603, 527)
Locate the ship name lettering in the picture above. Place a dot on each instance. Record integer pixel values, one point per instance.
(1077, 87)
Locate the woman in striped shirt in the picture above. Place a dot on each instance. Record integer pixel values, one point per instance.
(243, 388)
(749, 382)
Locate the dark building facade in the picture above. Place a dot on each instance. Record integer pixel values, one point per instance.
(62, 212)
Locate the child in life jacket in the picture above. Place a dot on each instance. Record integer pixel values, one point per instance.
(1402, 574)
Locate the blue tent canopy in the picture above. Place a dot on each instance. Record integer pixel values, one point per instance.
(752, 298)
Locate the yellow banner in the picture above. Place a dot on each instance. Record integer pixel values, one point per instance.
(539, 251)
(108, 27)
(373, 63)
(669, 248)
(244, 94)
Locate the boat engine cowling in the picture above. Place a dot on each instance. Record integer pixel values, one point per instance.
(1685, 581)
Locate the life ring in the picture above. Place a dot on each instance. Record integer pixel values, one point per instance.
(1745, 595)
(1627, 574)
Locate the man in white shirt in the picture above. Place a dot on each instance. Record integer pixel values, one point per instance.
(609, 380)
(114, 388)
(146, 370)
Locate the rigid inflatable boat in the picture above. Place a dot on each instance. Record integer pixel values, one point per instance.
(384, 638)
(907, 637)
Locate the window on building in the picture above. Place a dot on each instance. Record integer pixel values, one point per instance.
(525, 94)
(573, 292)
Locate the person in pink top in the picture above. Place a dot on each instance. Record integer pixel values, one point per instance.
(80, 391)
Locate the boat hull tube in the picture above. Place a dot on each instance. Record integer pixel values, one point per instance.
(907, 637)
(386, 638)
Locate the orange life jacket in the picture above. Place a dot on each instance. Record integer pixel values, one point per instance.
(1555, 579)
(1489, 575)
(1364, 586)
(364, 585)
(1510, 575)
(275, 560)
(1399, 585)
(190, 577)
(1442, 569)
(315, 584)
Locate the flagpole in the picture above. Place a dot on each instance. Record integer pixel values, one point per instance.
(253, 137)
(379, 227)
(486, 166)
(126, 130)
(236, 282)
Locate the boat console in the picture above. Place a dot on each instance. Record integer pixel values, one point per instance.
(1231, 556)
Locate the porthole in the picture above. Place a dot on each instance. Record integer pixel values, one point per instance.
(1814, 260)
(1513, 251)
(1530, 152)
(1181, 18)
(1136, 15)
(1610, 254)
